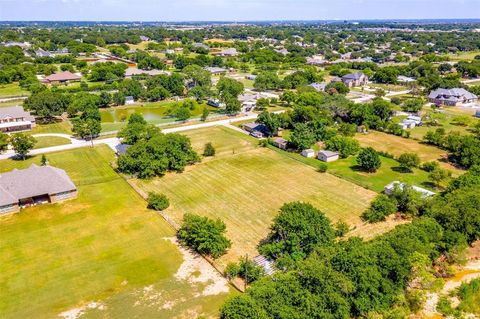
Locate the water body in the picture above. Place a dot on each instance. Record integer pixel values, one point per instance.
(151, 115)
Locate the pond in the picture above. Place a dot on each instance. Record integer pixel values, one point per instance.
(150, 114)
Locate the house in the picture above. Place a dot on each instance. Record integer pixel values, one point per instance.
(256, 127)
(216, 70)
(129, 100)
(202, 46)
(353, 79)
(477, 114)
(283, 51)
(32, 186)
(280, 143)
(309, 153)
(62, 77)
(405, 79)
(417, 119)
(228, 52)
(144, 38)
(451, 97)
(328, 156)
(40, 53)
(131, 72)
(388, 190)
(319, 87)
(316, 60)
(170, 51)
(407, 124)
(15, 119)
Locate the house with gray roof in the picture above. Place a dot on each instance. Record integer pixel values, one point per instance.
(353, 79)
(451, 97)
(15, 119)
(215, 70)
(134, 72)
(33, 186)
(319, 87)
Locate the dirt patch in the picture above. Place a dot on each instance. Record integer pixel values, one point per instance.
(195, 270)
(77, 312)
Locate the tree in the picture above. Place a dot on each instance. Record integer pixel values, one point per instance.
(413, 105)
(47, 104)
(22, 144)
(232, 105)
(408, 161)
(341, 228)
(229, 89)
(438, 175)
(249, 271)
(296, 231)
(209, 150)
(182, 113)
(270, 120)
(369, 160)
(205, 113)
(197, 76)
(380, 208)
(157, 155)
(137, 129)
(262, 104)
(267, 81)
(43, 161)
(118, 98)
(288, 97)
(88, 125)
(242, 307)
(157, 201)
(204, 235)
(346, 146)
(105, 99)
(4, 140)
(337, 87)
(302, 136)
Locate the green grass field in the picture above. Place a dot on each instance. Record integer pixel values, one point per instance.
(104, 246)
(48, 141)
(245, 185)
(11, 90)
(58, 127)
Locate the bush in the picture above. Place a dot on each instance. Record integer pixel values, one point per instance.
(205, 236)
(380, 208)
(231, 270)
(322, 168)
(158, 201)
(408, 161)
(429, 166)
(341, 228)
(209, 150)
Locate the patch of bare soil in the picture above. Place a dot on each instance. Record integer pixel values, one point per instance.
(77, 312)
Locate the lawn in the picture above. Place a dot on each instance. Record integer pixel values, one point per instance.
(48, 141)
(104, 246)
(11, 90)
(245, 185)
(57, 127)
(396, 145)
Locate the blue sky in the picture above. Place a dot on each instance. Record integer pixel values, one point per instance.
(195, 10)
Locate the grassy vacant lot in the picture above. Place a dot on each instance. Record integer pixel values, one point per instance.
(397, 145)
(13, 89)
(245, 185)
(346, 169)
(47, 141)
(104, 246)
(58, 127)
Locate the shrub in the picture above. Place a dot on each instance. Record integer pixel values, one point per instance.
(429, 166)
(322, 168)
(158, 201)
(341, 228)
(408, 161)
(380, 208)
(209, 150)
(232, 270)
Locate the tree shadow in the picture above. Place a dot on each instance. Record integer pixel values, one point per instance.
(402, 170)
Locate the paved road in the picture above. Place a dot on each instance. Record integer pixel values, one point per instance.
(113, 141)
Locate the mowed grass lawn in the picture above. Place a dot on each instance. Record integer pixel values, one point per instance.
(11, 90)
(103, 246)
(47, 141)
(245, 185)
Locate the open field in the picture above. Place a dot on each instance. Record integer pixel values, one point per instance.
(245, 185)
(12, 89)
(463, 56)
(47, 141)
(346, 169)
(103, 253)
(396, 145)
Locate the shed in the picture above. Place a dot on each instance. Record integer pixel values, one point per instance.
(280, 143)
(328, 156)
(129, 100)
(388, 189)
(308, 153)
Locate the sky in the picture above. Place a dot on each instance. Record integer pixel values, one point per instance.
(235, 10)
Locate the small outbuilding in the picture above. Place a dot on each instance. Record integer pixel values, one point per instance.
(129, 100)
(280, 143)
(309, 153)
(328, 156)
(388, 190)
